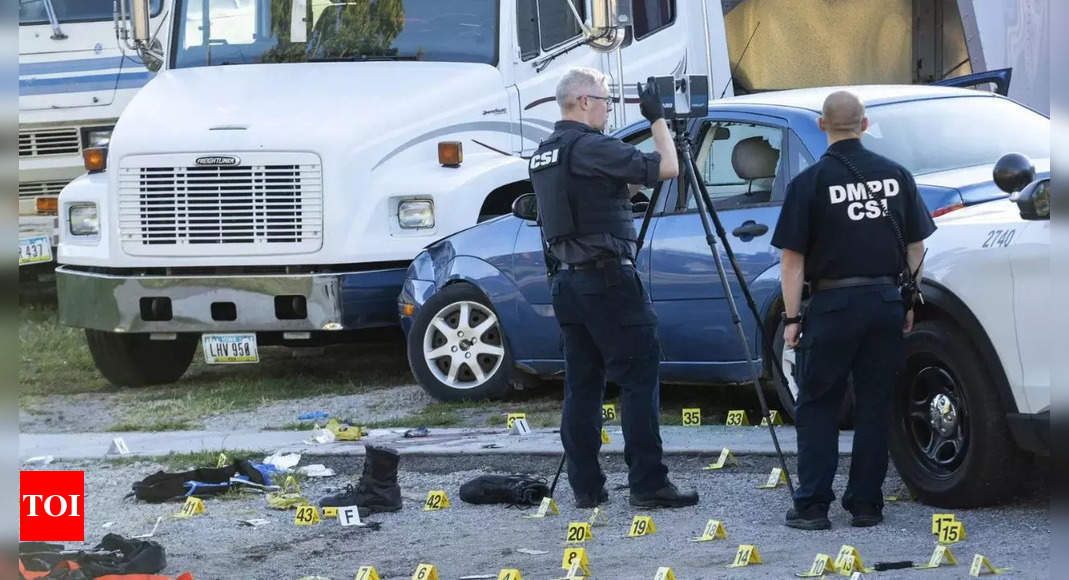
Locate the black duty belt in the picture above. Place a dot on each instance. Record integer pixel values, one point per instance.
(829, 283)
(596, 264)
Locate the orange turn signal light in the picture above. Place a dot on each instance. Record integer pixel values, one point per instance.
(450, 153)
(47, 205)
(95, 158)
(407, 309)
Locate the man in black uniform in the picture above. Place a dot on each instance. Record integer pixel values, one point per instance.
(836, 233)
(581, 179)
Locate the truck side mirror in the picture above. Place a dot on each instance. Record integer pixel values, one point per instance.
(525, 207)
(608, 20)
(1034, 201)
(139, 20)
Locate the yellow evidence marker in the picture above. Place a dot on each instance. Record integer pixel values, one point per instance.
(306, 515)
(737, 418)
(775, 478)
(664, 573)
(714, 530)
(821, 565)
(849, 561)
(746, 555)
(366, 573)
(952, 533)
(512, 417)
(288, 496)
(940, 520)
(981, 565)
(330, 512)
(222, 460)
(575, 561)
(578, 532)
(940, 556)
(722, 460)
(692, 417)
(436, 500)
(547, 507)
(641, 526)
(192, 507)
(605, 436)
(509, 574)
(608, 412)
(776, 419)
(425, 572)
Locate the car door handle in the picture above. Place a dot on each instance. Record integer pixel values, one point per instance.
(749, 230)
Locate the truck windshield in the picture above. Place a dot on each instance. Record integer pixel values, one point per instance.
(221, 32)
(941, 134)
(35, 11)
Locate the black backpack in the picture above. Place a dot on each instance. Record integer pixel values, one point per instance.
(203, 482)
(518, 490)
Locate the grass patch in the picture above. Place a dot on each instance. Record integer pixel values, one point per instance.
(295, 426)
(157, 426)
(53, 359)
(184, 461)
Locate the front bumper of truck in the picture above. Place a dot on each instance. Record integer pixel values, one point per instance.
(135, 303)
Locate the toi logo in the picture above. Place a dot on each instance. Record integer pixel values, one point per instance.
(52, 506)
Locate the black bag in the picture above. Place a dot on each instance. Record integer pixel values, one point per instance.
(114, 555)
(508, 489)
(203, 482)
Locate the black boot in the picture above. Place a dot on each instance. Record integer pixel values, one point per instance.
(377, 491)
(668, 496)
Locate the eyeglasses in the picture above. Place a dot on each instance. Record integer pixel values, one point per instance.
(606, 99)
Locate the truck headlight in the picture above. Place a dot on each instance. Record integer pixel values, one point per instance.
(416, 214)
(83, 219)
(96, 137)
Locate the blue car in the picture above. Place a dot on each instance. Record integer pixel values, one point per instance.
(476, 306)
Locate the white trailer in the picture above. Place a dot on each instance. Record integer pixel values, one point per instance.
(74, 80)
(272, 184)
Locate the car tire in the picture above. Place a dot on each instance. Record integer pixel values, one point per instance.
(134, 360)
(949, 437)
(455, 359)
(787, 393)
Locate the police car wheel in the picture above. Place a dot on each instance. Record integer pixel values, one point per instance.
(949, 436)
(133, 360)
(456, 347)
(788, 394)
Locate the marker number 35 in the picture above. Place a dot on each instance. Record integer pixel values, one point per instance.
(999, 238)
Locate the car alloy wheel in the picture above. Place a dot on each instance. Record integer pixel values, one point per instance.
(462, 345)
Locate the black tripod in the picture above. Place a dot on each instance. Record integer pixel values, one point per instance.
(689, 173)
(690, 182)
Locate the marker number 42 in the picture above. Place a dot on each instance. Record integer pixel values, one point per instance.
(999, 238)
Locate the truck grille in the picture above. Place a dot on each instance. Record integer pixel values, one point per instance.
(49, 142)
(250, 209)
(35, 188)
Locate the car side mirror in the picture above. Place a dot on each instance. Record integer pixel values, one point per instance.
(1013, 172)
(525, 207)
(1034, 201)
(640, 207)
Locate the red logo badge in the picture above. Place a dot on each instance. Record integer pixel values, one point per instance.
(52, 506)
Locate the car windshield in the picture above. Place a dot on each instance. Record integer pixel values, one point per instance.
(36, 12)
(941, 134)
(217, 32)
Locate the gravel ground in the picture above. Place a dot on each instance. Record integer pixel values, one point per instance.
(468, 540)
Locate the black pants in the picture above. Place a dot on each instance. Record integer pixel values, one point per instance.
(609, 330)
(846, 330)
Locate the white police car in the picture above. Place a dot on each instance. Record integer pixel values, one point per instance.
(974, 398)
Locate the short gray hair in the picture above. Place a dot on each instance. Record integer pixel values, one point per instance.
(576, 82)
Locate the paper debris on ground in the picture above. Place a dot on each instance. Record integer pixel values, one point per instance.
(321, 436)
(39, 460)
(254, 522)
(531, 552)
(152, 533)
(283, 461)
(316, 470)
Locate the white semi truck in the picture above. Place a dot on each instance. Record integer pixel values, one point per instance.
(273, 182)
(74, 80)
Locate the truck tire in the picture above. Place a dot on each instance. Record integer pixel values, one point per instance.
(457, 349)
(132, 360)
(949, 436)
(787, 395)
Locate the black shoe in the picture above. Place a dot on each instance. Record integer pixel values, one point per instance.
(668, 496)
(812, 517)
(587, 501)
(865, 516)
(377, 491)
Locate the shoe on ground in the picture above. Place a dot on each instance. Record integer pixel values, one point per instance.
(811, 517)
(588, 501)
(865, 516)
(668, 496)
